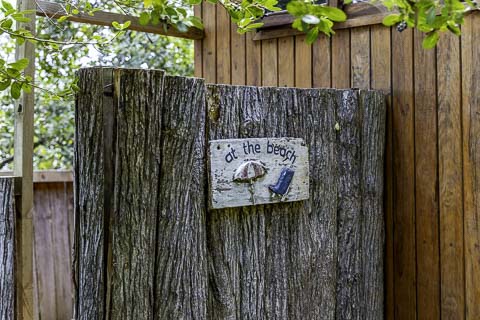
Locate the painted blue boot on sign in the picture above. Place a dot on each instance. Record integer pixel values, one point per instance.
(283, 183)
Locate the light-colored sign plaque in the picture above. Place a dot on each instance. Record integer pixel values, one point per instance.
(246, 172)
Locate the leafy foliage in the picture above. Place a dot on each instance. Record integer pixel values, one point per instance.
(54, 115)
(431, 17)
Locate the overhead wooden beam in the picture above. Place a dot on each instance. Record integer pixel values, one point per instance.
(102, 18)
(23, 168)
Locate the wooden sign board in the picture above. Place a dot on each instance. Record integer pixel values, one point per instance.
(245, 172)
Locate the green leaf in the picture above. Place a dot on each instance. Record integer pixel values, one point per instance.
(5, 84)
(334, 14)
(254, 26)
(196, 22)
(62, 19)
(121, 26)
(296, 8)
(144, 18)
(392, 19)
(20, 18)
(312, 35)
(431, 40)
(7, 24)
(7, 5)
(19, 64)
(16, 90)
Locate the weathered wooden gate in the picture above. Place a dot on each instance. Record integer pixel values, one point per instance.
(147, 247)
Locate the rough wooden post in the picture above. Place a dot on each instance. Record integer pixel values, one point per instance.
(7, 249)
(140, 205)
(306, 260)
(276, 261)
(91, 221)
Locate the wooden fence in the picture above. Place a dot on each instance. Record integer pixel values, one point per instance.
(433, 142)
(53, 233)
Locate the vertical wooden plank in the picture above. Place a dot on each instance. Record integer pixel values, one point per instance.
(136, 183)
(238, 51)
(253, 57)
(91, 231)
(181, 257)
(426, 182)
(450, 177)
(23, 167)
(52, 250)
(209, 43)
(7, 249)
(471, 161)
(223, 46)
(303, 63)
(404, 175)
(360, 57)
(322, 62)
(341, 59)
(381, 72)
(270, 62)
(349, 234)
(198, 47)
(286, 62)
(373, 109)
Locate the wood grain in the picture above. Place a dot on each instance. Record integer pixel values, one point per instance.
(270, 62)
(181, 259)
(223, 65)
(91, 234)
(360, 57)
(253, 61)
(286, 62)
(341, 59)
(238, 56)
(7, 249)
(321, 62)
(53, 241)
(350, 291)
(373, 108)
(381, 70)
(209, 43)
(23, 167)
(426, 181)
(198, 48)
(136, 133)
(303, 63)
(450, 178)
(404, 175)
(471, 162)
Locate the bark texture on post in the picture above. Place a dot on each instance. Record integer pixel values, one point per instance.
(147, 210)
(372, 179)
(7, 246)
(90, 221)
(350, 282)
(138, 101)
(181, 265)
(276, 261)
(285, 261)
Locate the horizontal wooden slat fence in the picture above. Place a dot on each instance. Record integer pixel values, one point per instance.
(432, 200)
